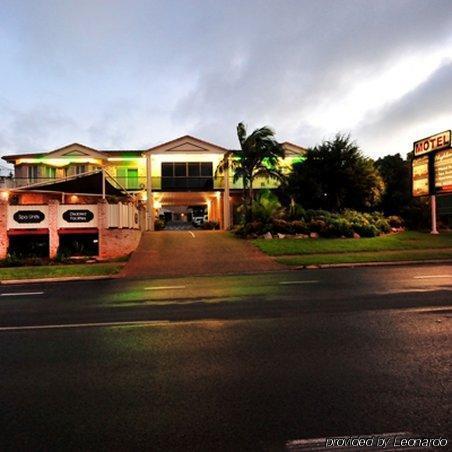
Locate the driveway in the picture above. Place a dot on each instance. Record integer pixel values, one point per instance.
(182, 253)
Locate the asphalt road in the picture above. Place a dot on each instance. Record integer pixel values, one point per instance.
(226, 363)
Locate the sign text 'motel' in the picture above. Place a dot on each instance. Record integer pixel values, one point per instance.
(434, 143)
(78, 216)
(29, 216)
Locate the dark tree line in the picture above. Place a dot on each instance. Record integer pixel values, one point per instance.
(336, 175)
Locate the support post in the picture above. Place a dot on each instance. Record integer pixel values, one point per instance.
(150, 198)
(226, 202)
(103, 183)
(433, 214)
(4, 239)
(54, 238)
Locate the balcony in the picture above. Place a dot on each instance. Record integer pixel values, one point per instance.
(166, 183)
(172, 183)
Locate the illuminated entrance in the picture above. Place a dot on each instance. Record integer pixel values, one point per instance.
(186, 210)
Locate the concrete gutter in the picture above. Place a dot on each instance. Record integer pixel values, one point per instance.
(374, 264)
(9, 282)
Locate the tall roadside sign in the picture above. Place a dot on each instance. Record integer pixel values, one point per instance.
(432, 169)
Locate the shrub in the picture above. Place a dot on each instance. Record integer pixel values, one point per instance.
(63, 255)
(395, 221)
(282, 226)
(159, 225)
(12, 260)
(338, 227)
(366, 230)
(33, 261)
(318, 215)
(296, 212)
(317, 225)
(299, 227)
(383, 225)
(266, 207)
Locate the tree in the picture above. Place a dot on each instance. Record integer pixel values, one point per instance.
(336, 175)
(257, 157)
(396, 174)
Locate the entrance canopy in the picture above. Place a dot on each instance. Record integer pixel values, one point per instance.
(89, 183)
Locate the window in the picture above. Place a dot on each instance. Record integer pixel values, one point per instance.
(80, 169)
(167, 170)
(50, 172)
(187, 175)
(32, 173)
(128, 177)
(132, 178)
(206, 169)
(193, 170)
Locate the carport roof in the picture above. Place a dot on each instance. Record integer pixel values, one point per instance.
(90, 183)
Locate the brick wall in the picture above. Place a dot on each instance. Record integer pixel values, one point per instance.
(3, 228)
(115, 242)
(54, 239)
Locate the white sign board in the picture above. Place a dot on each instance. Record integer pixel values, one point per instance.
(28, 217)
(77, 216)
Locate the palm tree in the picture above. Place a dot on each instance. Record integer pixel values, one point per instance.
(257, 157)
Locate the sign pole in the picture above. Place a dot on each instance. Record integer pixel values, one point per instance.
(433, 212)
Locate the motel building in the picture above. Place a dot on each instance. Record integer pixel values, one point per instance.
(86, 201)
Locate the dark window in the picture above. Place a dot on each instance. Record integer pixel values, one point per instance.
(29, 245)
(167, 169)
(206, 169)
(194, 170)
(79, 244)
(187, 176)
(180, 169)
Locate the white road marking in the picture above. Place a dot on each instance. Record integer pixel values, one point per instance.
(18, 294)
(299, 282)
(192, 234)
(164, 287)
(432, 276)
(83, 325)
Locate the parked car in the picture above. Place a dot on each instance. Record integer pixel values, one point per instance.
(198, 220)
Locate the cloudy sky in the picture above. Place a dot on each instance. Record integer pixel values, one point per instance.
(131, 74)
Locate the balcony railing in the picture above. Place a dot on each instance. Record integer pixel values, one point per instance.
(179, 183)
(158, 183)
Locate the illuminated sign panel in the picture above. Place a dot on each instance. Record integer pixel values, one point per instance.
(443, 170)
(420, 177)
(77, 216)
(434, 143)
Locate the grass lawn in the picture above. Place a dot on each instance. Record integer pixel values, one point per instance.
(365, 256)
(59, 271)
(403, 241)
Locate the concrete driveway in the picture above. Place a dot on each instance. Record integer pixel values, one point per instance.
(182, 253)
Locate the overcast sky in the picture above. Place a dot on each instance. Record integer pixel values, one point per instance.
(130, 74)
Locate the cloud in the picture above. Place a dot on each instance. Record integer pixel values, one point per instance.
(135, 73)
(409, 115)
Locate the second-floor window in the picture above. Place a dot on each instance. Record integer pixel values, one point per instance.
(32, 173)
(128, 177)
(80, 169)
(50, 172)
(187, 175)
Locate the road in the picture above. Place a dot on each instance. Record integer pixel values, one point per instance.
(236, 362)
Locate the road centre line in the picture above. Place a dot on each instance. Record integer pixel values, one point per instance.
(18, 294)
(299, 282)
(432, 276)
(84, 325)
(164, 287)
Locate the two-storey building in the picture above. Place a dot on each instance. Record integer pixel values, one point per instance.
(174, 181)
